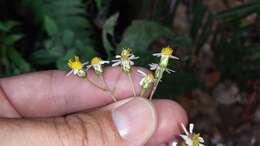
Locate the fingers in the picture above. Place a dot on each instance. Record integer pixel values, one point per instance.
(125, 125)
(51, 93)
(170, 115)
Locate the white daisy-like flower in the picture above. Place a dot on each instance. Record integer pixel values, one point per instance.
(192, 139)
(97, 63)
(166, 54)
(76, 67)
(125, 59)
(147, 80)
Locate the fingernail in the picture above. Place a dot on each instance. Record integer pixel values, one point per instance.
(135, 121)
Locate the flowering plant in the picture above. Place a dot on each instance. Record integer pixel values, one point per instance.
(150, 80)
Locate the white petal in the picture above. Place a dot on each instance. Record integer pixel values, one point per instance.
(174, 143)
(184, 129)
(201, 145)
(118, 56)
(153, 66)
(174, 57)
(157, 54)
(69, 73)
(116, 60)
(75, 71)
(169, 70)
(132, 57)
(85, 63)
(191, 128)
(88, 67)
(131, 62)
(104, 62)
(142, 73)
(184, 137)
(116, 64)
(201, 140)
(187, 140)
(141, 82)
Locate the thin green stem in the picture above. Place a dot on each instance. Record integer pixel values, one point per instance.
(131, 82)
(109, 90)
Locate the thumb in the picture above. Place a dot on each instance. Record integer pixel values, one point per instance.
(126, 124)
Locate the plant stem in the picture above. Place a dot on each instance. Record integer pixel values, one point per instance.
(103, 89)
(142, 93)
(131, 82)
(109, 90)
(159, 73)
(154, 89)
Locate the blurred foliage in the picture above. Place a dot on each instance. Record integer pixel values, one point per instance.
(43, 34)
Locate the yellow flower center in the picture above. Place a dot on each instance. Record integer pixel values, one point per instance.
(74, 63)
(126, 53)
(150, 77)
(167, 51)
(195, 139)
(95, 60)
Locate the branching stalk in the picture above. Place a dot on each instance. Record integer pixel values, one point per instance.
(91, 82)
(109, 90)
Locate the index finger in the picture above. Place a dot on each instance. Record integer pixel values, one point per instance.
(51, 93)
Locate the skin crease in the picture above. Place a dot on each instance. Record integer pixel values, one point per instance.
(39, 100)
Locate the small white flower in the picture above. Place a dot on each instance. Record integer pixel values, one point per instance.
(125, 59)
(191, 139)
(97, 63)
(147, 80)
(76, 67)
(166, 54)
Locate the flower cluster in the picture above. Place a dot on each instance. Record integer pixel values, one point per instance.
(149, 79)
(126, 61)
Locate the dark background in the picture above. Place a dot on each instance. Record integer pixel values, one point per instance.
(218, 41)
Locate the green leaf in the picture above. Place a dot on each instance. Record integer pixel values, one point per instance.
(11, 39)
(199, 10)
(110, 24)
(50, 26)
(207, 29)
(8, 25)
(239, 11)
(108, 29)
(42, 57)
(68, 38)
(16, 58)
(141, 33)
(86, 51)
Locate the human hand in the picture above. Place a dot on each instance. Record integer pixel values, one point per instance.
(49, 109)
